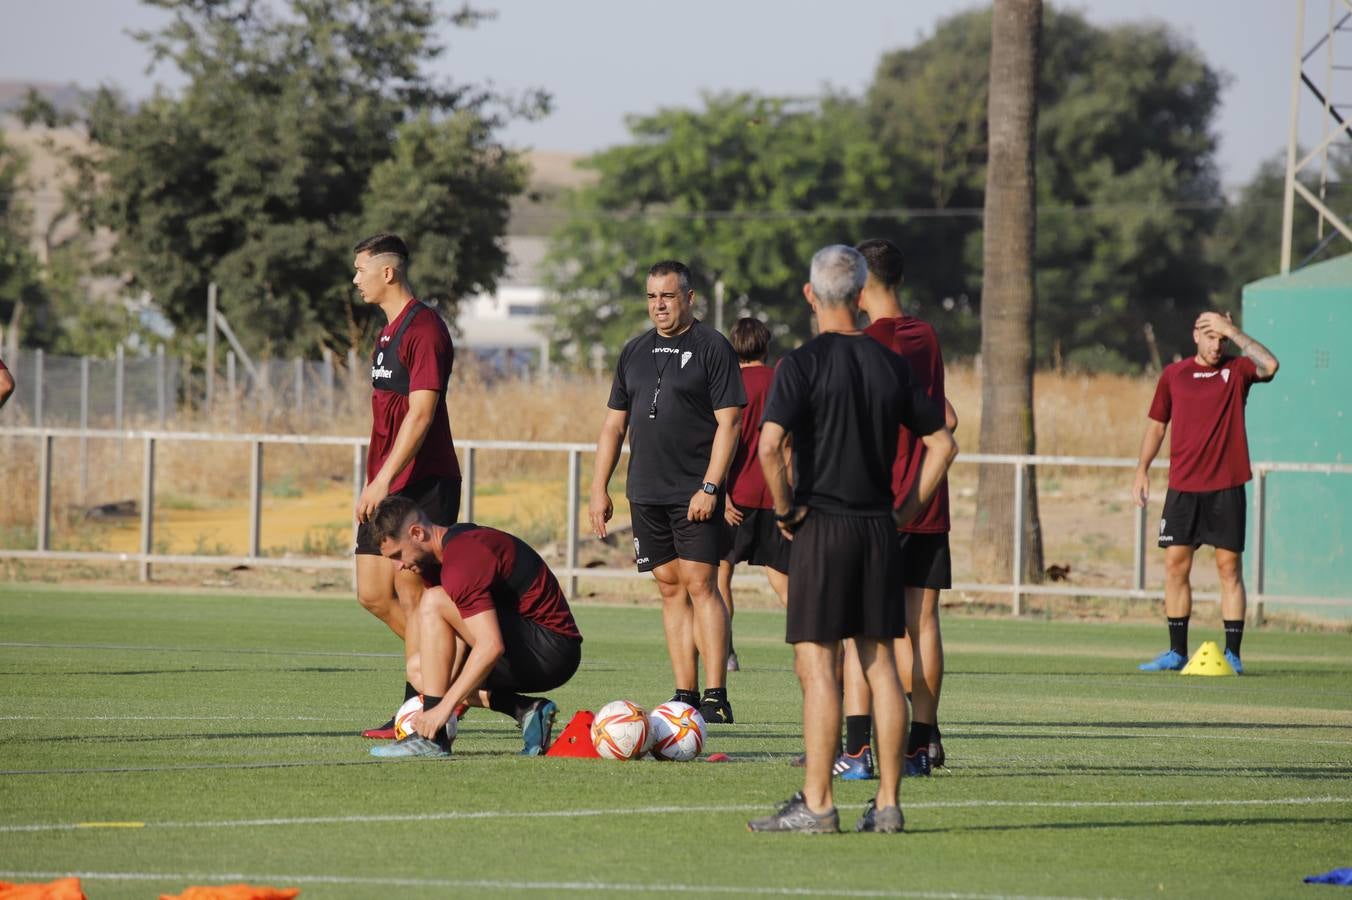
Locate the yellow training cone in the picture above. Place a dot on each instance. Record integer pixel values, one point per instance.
(1208, 660)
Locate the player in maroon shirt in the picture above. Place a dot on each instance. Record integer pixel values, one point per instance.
(411, 453)
(6, 383)
(495, 624)
(1203, 397)
(750, 513)
(927, 565)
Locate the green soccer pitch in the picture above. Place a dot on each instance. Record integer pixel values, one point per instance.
(153, 741)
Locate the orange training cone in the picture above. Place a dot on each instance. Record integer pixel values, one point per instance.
(576, 740)
(1208, 660)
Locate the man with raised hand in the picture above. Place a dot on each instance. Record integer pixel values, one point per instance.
(843, 397)
(495, 626)
(1203, 398)
(411, 453)
(678, 394)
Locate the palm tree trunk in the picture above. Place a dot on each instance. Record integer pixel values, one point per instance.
(1008, 300)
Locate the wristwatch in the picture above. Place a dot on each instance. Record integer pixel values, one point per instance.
(785, 517)
(709, 487)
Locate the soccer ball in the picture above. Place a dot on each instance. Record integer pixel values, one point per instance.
(403, 720)
(678, 731)
(620, 730)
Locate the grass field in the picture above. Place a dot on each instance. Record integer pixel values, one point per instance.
(155, 740)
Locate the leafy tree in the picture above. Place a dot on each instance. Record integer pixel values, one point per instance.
(743, 191)
(1247, 240)
(22, 300)
(1127, 188)
(299, 131)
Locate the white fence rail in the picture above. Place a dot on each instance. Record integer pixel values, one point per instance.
(1017, 588)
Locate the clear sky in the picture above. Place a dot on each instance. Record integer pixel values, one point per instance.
(603, 59)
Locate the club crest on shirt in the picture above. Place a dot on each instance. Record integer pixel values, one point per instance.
(1225, 375)
(685, 358)
(380, 357)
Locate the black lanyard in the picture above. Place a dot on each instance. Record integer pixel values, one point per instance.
(652, 407)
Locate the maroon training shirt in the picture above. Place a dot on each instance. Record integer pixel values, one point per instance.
(1208, 449)
(426, 353)
(746, 479)
(916, 341)
(483, 568)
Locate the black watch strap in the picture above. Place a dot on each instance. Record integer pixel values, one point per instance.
(784, 518)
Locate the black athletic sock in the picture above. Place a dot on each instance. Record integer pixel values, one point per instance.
(919, 737)
(509, 704)
(857, 733)
(690, 698)
(440, 737)
(1234, 634)
(409, 691)
(718, 695)
(1178, 635)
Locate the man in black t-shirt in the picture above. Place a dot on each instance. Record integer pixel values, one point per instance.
(842, 396)
(678, 392)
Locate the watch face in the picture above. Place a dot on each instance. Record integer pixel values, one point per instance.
(709, 487)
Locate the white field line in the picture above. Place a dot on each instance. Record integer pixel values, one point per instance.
(663, 810)
(34, 645)
(503, 885)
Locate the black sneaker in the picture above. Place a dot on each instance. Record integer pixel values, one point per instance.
(715, 712)
(887, 820)
(936, 750)
(794, 815)
(689, 698)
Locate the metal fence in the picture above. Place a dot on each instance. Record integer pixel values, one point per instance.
(1017, 588)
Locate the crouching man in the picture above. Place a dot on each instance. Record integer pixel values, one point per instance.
(495, 626)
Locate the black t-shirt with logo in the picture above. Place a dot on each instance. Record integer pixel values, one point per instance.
(842, 397)
(670, 446)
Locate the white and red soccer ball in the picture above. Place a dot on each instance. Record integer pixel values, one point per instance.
(621, 730)
(677, 731)
(403, 719)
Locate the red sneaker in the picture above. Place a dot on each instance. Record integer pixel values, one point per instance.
(381, 732)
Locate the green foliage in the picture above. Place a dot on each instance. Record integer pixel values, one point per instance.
(1126, 178)
(746, 188)
(20, 284)
(1247, 240)
(742, 191)
(302, 128)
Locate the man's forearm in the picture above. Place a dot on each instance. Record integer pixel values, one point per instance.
(1150, 445)
(1262, 357)
(776, 472)
(725, 448)
(409, 439)
(607, 457)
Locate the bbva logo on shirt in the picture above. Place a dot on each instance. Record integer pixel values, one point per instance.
(685, 358)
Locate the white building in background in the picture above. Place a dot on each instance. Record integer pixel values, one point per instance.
(509, 330)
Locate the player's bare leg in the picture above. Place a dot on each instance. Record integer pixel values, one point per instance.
(1177, 608)
(678, 626)
(920, 663)
(779, 583)
(710, 619)
(1234, 603)
(889, 715)
(815, 664)
(375, 591)
(409, 587)
(725, 590)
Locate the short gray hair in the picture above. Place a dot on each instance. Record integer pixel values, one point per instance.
(838, 274)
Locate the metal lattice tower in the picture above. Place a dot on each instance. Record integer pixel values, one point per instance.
(1330, 60)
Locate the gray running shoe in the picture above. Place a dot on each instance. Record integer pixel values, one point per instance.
(415, 745)
(887, 820)
(537, 726)
(794, 815)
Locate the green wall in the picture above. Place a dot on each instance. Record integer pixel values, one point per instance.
(1304, 415)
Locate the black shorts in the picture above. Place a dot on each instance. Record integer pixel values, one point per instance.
(757, 540)
(438, 497)
(845, 579)
(1208, 517)
(925, 560)
(534, 658)
(664, 533)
